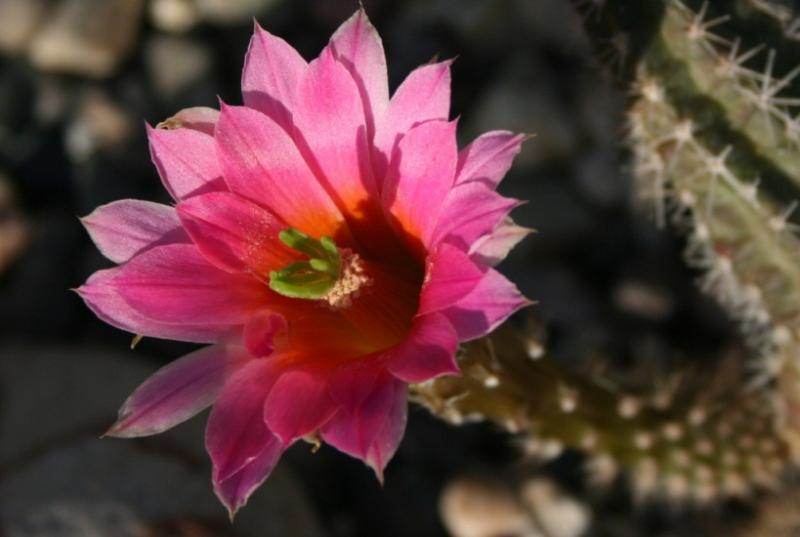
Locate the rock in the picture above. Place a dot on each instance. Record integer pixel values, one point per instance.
(231, 11)
(175, 16)
(18, 21)
(558, 514)
(644, 300)
(471, 508)
(175, 63)
(86, 37)
(58, 479)
(14, 229)
(99, 124)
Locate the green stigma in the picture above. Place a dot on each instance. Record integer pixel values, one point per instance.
(312, 279)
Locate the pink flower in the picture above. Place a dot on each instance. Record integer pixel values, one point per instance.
(331, 245)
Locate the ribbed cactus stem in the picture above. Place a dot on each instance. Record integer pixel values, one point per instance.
(705, 130)
(688, 447)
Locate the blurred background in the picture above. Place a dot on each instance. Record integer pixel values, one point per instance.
(78, 80)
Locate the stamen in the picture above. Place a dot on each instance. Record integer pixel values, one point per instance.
(330, 274)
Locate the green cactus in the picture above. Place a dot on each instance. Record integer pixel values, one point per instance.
(686, 442)
(715, 147)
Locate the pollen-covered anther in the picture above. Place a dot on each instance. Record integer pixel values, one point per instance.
(352, 280)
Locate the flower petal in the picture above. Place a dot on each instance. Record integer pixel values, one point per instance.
(421, 175)
(263, 164)
(372, 430)
(261, 330)
(489, 157)
(357, 45)
(429, 350)
(123, 228)
(330, 120)
(490, 303)
(451, 275)
(235, 490)
(177, 392)
(186, 161)
(298, 404)
(175, 284)
(493, 248)
(236, 433)
(423, 95)
(199, 118)
(272, 70)
(471, 211)
(101, 296)
(234, 233)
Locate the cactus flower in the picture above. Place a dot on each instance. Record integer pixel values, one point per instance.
(329, 244)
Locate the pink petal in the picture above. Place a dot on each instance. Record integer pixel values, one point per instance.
(357, 45)
(261, 330)
(428, 351)
(471, 211)
(421, 176)
(330, 117)
(491, 249)
(330, 120)
(235, 490)
(177, 392)
(175, 284)
(235, 234)
(350, 385)
(423, 95)
(489, 157)
(236, 433)
(123, 228)
(272, 70)
(186, 161)
(199, 118)
(490, 303)
(262, 163)
(298, 405)
(102, 297)
(451, 275)
(372, 430)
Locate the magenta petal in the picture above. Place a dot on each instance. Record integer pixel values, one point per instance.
(123, 228)
(176, 284)
(262, 163)
(471, 211)
(236, 433)
(358, 47)
(234, 233)
(428, 351)
(350, 385)
(272, 70)
(490, 303)
(423, 95)
(489, 157)
(260, 332)
(493, 248)
(451, 275)
(421, 175)
(235, 490)
(298, 405)
(102, 297)
(177, 392)
(186, 161)
(372, 430)
(330, 116)
(199, 118)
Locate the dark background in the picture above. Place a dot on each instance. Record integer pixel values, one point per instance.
(606, 280)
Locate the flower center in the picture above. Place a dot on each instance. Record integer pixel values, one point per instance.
(329, 274)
